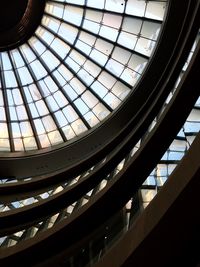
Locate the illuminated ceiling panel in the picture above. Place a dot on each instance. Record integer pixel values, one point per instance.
(79, 66)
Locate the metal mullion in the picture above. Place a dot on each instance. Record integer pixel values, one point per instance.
(97, 188)
(180, 138)
(40, 225)
(60, 217)
(78, 204)
(5, 243)
(82, 81)
(44, 224)
(75, 74)
(12, 237)
(136, 206)
(103, 68)
(167, 162)
(31, 72)
(26, 234)
(20, 86)
(61, 89)
(148, 187)
(190, 134)
(97, 165)
(107, 11)
(68, 67)
(139, 199)
(117, 78)
(196, 107)
(83, 175)
(112, 173)
(95, 35)
(44, 99)
(5, 99)
(15, 237)
(103, 38)
(119, 30)
(126, 159)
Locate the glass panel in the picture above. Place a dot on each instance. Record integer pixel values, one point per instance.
(83, 60)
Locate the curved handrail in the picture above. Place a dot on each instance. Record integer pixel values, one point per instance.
(170, 207)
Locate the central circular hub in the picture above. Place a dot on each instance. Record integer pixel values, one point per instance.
(18, 21)
(11, 12)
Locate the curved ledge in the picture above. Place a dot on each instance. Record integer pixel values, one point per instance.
(169, 225)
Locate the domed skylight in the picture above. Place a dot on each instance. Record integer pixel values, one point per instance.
(83, 60)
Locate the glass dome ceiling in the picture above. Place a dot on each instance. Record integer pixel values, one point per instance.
(81, 63)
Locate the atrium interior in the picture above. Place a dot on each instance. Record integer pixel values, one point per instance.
(99, 133)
